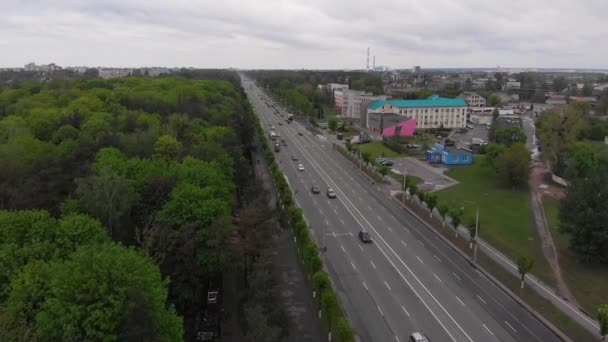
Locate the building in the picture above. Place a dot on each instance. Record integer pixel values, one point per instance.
(512, 85)
(114, 72)
(354, 102)
(473, 99)
(331, 87)
(416, 69)
(339, 99)
(433, 112)
(402, 129)
(449, 155)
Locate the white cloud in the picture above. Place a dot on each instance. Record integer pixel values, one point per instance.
(304, 34)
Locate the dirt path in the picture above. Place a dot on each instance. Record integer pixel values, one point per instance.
(539, 170)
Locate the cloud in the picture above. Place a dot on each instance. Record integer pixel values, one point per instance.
(304, 34)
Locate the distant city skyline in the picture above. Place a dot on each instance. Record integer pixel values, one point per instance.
(316, 34)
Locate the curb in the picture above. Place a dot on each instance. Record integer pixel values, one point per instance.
(506, 290)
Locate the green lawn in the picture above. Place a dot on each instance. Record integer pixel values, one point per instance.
(588, 282)
(505, 219)
(377, 149)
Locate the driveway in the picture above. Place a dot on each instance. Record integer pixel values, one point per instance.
(464, 139)
(432, 176)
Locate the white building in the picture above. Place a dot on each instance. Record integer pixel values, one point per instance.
(433, 112)
(354, 102)
(113, 72)
(473, 99)
(331, 87)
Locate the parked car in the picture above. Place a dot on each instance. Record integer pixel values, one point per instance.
(315, 189)
(387, 162)
(411, 146)
(331, 193)
(365, 237)
(300, 167)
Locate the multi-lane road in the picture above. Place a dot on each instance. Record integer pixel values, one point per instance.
(407, 280)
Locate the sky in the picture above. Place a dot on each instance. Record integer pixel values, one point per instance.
(310, 34)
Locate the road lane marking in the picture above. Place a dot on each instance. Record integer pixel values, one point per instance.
(397, 338)
(315, 202)
(389, 288)
(456, 275)
(342, 221)
(389, 228)
(379, 218)
(417, 257)
(436, 257)
(407, 313)
(327, 222)
(352, 209)
(405, 244)
(369, 207)
(342, 248)
(510, 326)
(437, 277)
(382, 313)
(371, 262)
(335, 212)
(422, 243)
(407, 230)
(353, 265)
(481, 299)
(488, 329)
(361, 248)
(461, 302)
(366, 289)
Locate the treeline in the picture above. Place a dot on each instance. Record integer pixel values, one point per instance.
(572, 144)
(117, 206)
(298, 89)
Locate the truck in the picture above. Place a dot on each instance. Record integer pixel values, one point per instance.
(290, 117)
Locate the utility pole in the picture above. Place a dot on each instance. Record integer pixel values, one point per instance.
(476, 234)
(404, 189)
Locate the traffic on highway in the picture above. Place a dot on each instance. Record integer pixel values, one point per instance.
(396, 280)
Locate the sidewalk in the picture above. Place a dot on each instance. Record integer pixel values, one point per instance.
(295, 294)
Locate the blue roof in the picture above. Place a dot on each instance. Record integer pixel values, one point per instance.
(431, 101)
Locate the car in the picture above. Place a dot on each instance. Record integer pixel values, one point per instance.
(417, 337)
(280, 123)
(294, 158)
(284, 143)
(411, 146)
(300, 133)
(315, 189)
(470, 126)
(365, 237)
(331, 193)
(272, 127)
(300, 167)
(387, 162)
(278, 134)
(282, 139)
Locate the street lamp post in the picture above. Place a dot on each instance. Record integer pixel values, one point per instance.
(404, 184)
(476, 235)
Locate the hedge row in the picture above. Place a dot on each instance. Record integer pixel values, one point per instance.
(325, 299)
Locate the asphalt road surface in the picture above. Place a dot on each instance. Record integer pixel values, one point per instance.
(407, 280)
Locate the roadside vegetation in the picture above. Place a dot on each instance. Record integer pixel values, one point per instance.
(149, 181)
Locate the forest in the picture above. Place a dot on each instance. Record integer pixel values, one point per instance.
(124, 204)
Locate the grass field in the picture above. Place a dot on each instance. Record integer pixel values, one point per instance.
(505, 218)
(588, 282)
(377, 149)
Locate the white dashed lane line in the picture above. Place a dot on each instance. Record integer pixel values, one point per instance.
(456, 276)
(404, 310)
(436, 257)
(366, 289)
(488, 329)
(481, 299)
(389, 288)
(342, 248)
(405, 244)
(417, 257)
(371, 262)
(461, 302)
(510, 326)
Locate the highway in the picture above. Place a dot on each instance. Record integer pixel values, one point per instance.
(407, 280)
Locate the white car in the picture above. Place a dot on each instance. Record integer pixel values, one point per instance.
(300, 167)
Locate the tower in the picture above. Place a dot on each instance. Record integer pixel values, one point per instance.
(367, 67)
(374, 64)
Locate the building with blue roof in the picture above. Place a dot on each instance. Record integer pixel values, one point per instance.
(433, 112)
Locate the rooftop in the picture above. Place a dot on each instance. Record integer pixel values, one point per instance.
(431, 101)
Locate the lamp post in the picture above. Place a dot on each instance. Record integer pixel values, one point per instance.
(404, 184)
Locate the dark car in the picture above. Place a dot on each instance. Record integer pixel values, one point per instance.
(315, 189)
(365, 237)
(294, 158)
(331, 193)
(300, 133)
(388, 163)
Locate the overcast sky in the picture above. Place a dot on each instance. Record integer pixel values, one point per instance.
(329, 34)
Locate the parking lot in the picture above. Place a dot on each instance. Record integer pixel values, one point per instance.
(464, 139)
(431, 175)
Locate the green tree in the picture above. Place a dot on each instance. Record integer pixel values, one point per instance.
(189, 203)
(443, 211)
(456, 215)
(57, 301)
(582, 160)
(431, 201)
(332, 124)
(509, 135)
(167, 148)
(524, 266)
(107, 196)
(367, 157)
(383, 170)
(583, 217)
(602, 317)
(343, 331)
(557, 132)
(513, 165)
(494, 100)
(587, 89)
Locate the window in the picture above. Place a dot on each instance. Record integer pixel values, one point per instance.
(454, 158)
(465, 157)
